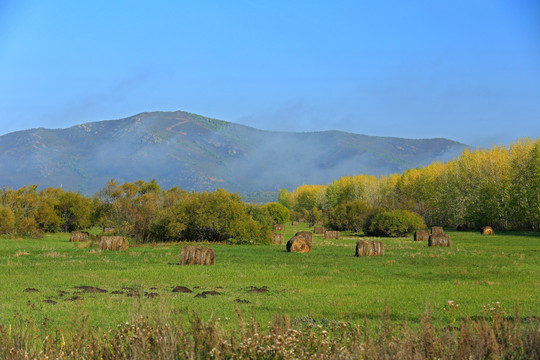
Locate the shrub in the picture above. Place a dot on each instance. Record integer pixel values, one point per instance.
(279, 213)
(211, 216)
(7, 220)
(350, 216)
(394, 223)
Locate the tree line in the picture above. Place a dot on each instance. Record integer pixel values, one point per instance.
(499, 187)
(142, 211)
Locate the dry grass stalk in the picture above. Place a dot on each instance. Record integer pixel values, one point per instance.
(331, 234)
(437, 230)
(113, 243)
(319, 230)
(277, 239)
(280, 227)
(298, 244)
(439, 240)
(487, 230)
(369, 248)
(197, 255)
(421, 235)
(78, 236)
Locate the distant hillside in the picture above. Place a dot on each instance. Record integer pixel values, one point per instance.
(198, 153)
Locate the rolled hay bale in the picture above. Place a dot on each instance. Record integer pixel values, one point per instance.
(439, 240)
(294, 223)
(369, 248)
(280, 227)
(298, 244)
(308, 235)
(78, 236)
(437, 230)
(331, 234)
(421, 235)
(277, 239)
(197, 255)
(487, 230)
(319, 230)
(113, 243)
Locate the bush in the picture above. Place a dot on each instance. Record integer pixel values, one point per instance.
(394, 223)
(7, 220)
(279, 213)
(350, 216)
(211, 216)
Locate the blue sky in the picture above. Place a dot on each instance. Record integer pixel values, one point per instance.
(466, 70)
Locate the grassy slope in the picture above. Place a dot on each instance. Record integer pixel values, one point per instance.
(329, 283)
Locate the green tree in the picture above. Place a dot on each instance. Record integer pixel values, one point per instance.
(279, 213)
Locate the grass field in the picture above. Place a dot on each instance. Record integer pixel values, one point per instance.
(329, 283)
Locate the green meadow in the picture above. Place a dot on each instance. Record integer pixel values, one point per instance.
(39, 280)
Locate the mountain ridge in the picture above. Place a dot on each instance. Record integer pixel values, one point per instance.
(200, 153)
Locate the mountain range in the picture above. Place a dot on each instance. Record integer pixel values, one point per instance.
(198, 153)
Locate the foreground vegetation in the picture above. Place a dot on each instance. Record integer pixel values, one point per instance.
(475, 280)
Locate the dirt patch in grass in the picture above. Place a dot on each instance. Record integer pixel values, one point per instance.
(257, 290)
(151, 295)
(30, 290)
(90, 289)
(181, 289)
(204, 294)
(49, 301)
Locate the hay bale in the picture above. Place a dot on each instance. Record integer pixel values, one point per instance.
(369, 248)
(319, 230)
(280, 227)
(439, 240)
(294, 223)
(77, 236)
(487, 230)
(331, 234)
(308, 235)
(277, 239)
(437, 230)
(113, 243)
(421, 235)
(298, 244)
(197, 255)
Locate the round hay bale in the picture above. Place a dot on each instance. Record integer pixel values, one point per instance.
(437, 230)
(294, 223)
(439, 240)
(277, 239)
(298, 244)
(308, 235)
(280, 227)
(421, 235)
(319, 230)
(331, 234)
(487, 230)
(77, 236)
(369, 248)
(197, 255)
(116, 243)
